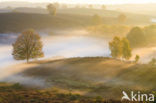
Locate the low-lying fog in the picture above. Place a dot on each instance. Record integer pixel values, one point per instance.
(76, 43)
(64, 44)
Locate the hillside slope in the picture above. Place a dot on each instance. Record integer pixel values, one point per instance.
(96, 76)
(17, 22)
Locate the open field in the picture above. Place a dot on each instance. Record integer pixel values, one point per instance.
(94, 77)
(15, 93)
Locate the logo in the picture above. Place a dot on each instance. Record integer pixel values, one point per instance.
(137, 96)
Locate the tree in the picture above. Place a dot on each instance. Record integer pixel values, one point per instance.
(27, 46)
(96, 19)
(120, 48)
(122, 18)
(126, 50)
(90, 6)
(152, 62)
(136, 37)
(116, 47)
(51, 9)
(103, 7)
(137, 57)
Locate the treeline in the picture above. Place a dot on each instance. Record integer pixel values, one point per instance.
(139, 37)
(110, 30)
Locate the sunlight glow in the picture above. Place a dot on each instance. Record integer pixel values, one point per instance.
(90, 1)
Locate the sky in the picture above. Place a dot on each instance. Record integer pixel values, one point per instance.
(91, 1)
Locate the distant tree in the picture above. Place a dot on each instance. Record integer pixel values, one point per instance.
(116, 47)
(122, 18)
(64, 6)
(137, 57)
(126, 49)
(51, 9)
(90, 6)
(27, 46)
(136, 37)
(56, 4)
(96, 19)
(103, 7)
(153, 61)
(150, 32)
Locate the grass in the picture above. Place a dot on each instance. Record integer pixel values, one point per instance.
(17, 22)
(83, 80)
(10, 94)
(97, 76)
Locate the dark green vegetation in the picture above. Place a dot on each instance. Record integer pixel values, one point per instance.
(38, 19)
(140, 37)
(98, 76)
(15, 93)
(18, 22)
(82, 80)
(120, 48)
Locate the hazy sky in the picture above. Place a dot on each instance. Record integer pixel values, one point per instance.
(92, 1)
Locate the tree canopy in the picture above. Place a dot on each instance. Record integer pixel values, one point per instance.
(51, 9)
(96, 19)
(126, 50)
(27, 46)
(136, 37)
(120, 48)
(116, 47)
(122, 18)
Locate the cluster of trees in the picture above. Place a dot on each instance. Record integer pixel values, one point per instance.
(142, 36)
(120, 48)
(28, 46)
(122, 18)
(110, 30)
(97, 19)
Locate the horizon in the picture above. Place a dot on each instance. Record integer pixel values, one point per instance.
(86, 2)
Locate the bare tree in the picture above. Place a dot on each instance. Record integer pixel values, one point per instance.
(27, 46)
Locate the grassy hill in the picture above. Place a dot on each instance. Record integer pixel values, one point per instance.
(96, 76)
(24, 18)
(85, 80)
(17, 22)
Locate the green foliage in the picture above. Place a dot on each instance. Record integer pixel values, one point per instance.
(52, 9)
(116, 47)
(120, 48)
(152, 62)
(16, 86)
(109, 30)
(103, 7)
(28, 45)
(136, 37)
(96, 19)
(137, 57)
(126, 50)
(150, 32)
